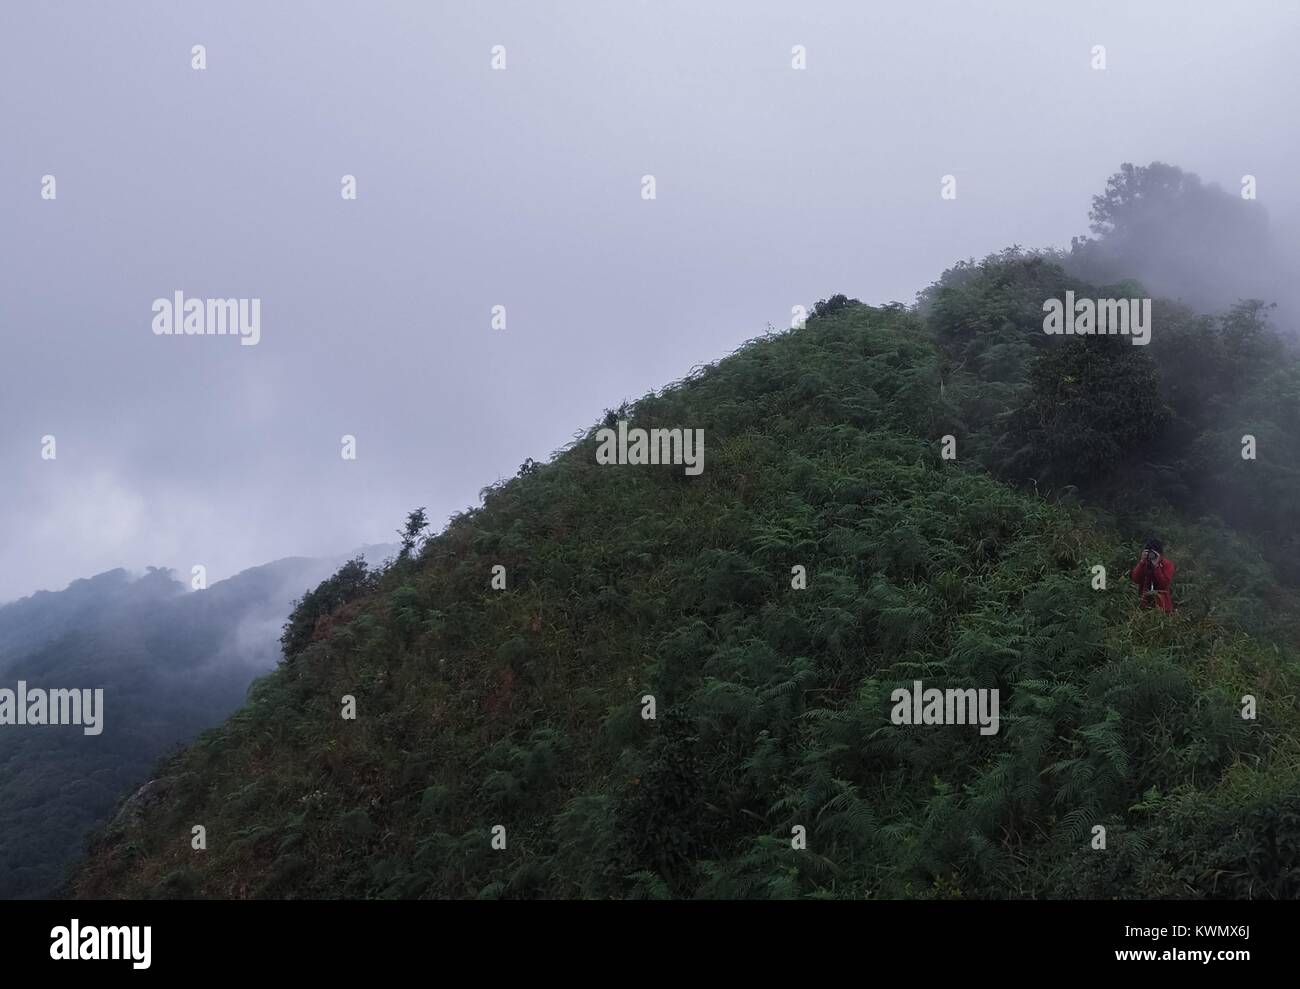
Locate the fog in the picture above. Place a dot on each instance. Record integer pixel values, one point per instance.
(522, 188)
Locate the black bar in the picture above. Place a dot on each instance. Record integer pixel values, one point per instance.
(334, 939)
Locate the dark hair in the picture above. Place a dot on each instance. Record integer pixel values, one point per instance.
(1155, 544)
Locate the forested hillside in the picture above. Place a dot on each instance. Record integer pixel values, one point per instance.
(170, 663)
(522, 707)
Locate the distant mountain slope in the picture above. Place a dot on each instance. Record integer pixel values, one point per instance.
(523, 707)
(171, 662)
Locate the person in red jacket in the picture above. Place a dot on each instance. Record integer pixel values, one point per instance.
(1154, 576)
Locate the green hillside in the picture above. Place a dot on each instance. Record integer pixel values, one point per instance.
(169, 662)
(522, 707)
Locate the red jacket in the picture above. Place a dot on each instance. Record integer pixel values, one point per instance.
(1158, 576)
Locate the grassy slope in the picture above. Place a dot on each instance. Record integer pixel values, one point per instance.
(521, 707)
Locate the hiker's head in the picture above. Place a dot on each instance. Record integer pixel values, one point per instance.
(1154, 546)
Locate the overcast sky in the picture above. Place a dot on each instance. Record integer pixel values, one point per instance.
(523, 188)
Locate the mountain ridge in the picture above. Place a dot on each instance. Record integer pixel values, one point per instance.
(521, 707)
(170, 662)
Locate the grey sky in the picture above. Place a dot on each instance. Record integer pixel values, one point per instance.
(520, 187)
